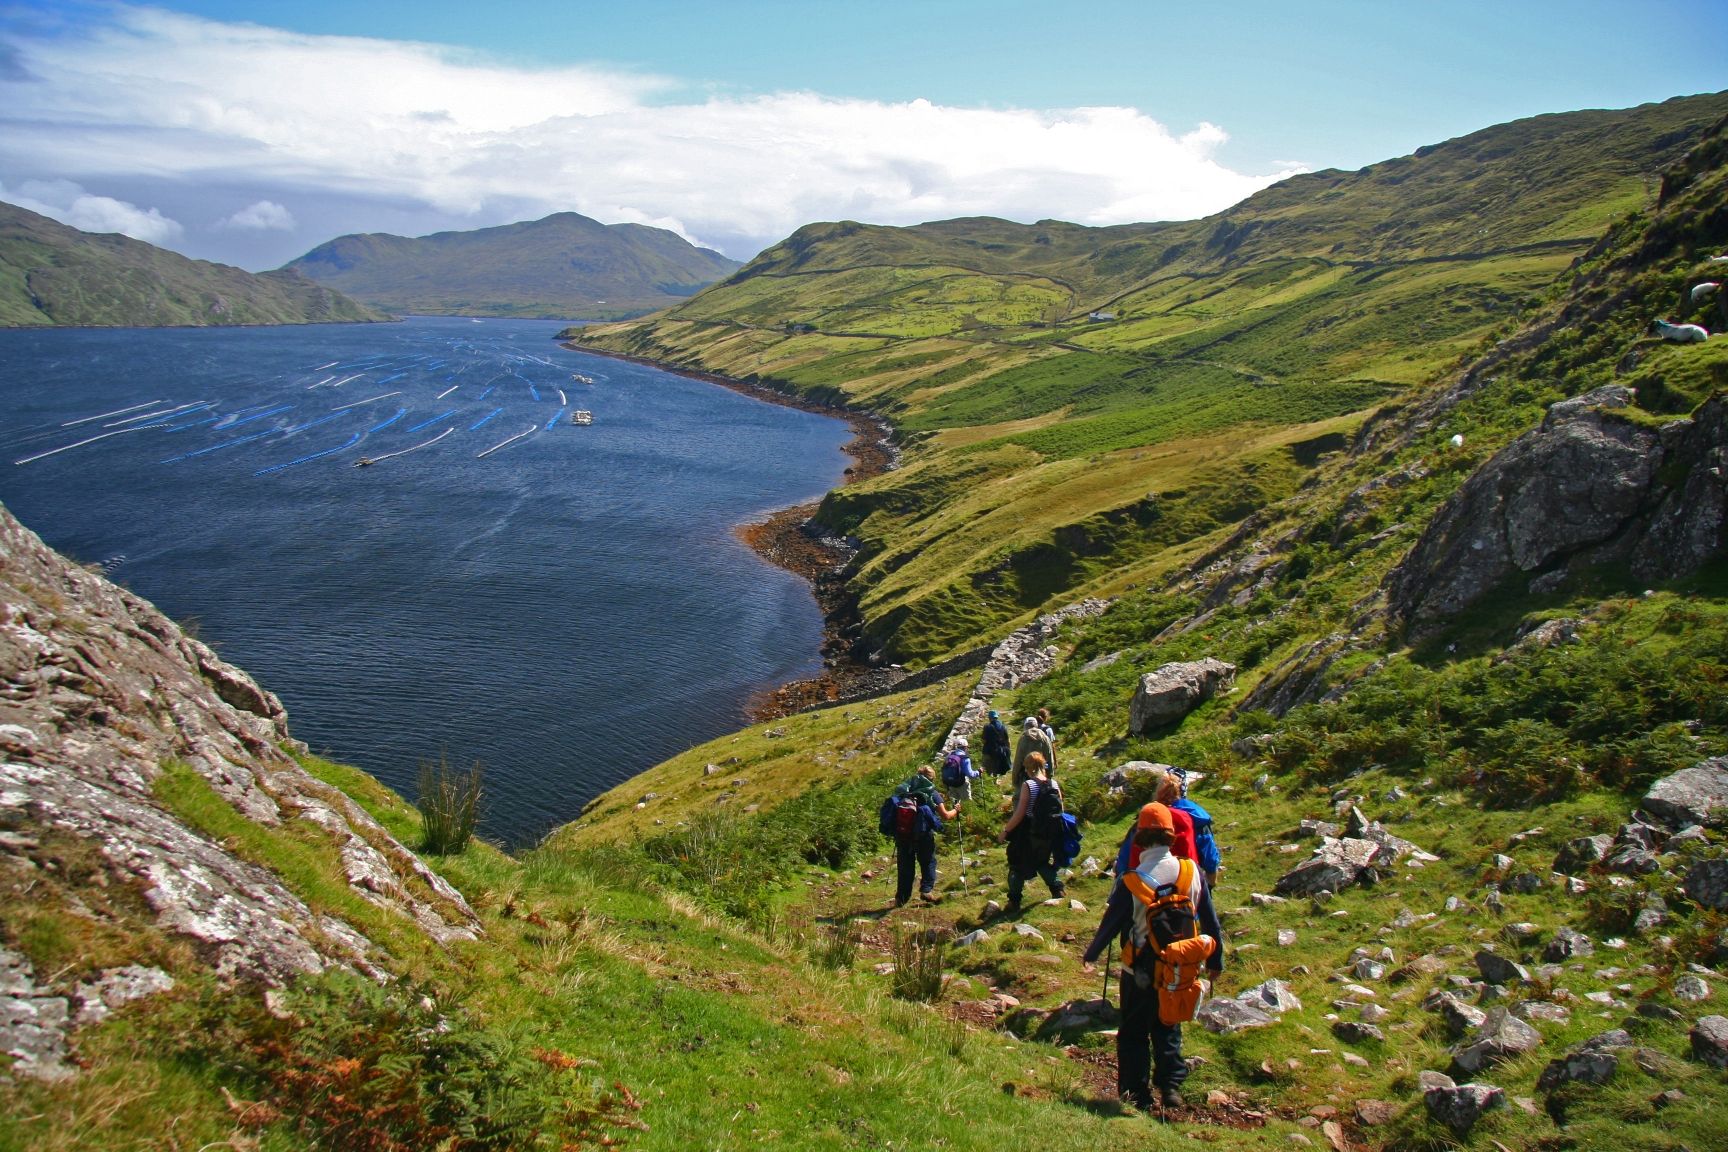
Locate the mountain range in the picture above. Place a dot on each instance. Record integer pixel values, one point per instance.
(563, 266)
(54, 274)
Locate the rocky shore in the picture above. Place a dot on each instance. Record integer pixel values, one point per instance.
(790, 539)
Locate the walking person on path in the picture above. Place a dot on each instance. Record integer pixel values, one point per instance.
(915, 849)
(1033, 739)
(997, 753)
(1031, 847)
(1161, 912)
(958, 772)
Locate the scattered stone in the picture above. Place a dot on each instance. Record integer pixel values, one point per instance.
(1355, 1032)
(992, 908)
(1691, 795)
(1171, 692)
(1286, 937)
(1498, 970)
(1502, 863)
(1653, 1011)
(1028, 931)
(1524, 883)
(1354, 1060)
(116, 987)
(1580, 854)
(1460, 1018)
(1542, 1011)
(1373, 1113)
(1502, 1037)
(1453, 904)
(1335, 865)
(1273, 996)
(976, 936)
(1664, 1099)
(1374, 1014)
(1633, 860)
(1567, 944)
(1227, 1016)
(1366, 969)
(1262, 900)
(1522, 932)
(1707, 883)
(1592, 1062)
(1461, 1106)
(1691, 989)
(1710, 1041)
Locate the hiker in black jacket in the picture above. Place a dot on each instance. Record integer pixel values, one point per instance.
(917, 853)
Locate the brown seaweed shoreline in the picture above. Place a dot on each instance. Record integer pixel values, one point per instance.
(785, 540)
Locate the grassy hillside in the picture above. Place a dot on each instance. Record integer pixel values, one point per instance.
(708, 957)
(52, 274)
(564, 266)
(1235, 349)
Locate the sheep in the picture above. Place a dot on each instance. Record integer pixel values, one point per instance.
(1679, 333)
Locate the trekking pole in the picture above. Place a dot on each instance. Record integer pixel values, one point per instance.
(963, 887)
(1109, 950)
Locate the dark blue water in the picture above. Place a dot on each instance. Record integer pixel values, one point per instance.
(568, 610)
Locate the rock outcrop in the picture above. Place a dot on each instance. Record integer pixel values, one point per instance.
(1588, 486)
(1171, 692)
(100, 696)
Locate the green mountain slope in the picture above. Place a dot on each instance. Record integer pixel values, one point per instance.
(565, 265)
(53, 274)
(1109, 393)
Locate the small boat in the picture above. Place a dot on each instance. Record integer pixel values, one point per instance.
(363, 462)
(581, 379)
(581, 416)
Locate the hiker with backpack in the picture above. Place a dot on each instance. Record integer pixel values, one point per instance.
(1035, 831)
(1194, 840)
(1205, 844)
(1033, 741)
(996, 750)
(957, 771)
(1161, 910)
(912, 815)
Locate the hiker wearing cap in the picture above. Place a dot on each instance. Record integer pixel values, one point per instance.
(1165, 791)
(915, 854)
(1032, 739)
(957, 771)
(997, 753)
(1161, 913)
(1030, 854)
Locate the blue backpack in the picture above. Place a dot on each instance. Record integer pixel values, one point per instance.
(1205, 845)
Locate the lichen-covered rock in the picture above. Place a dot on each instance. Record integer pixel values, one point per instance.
(1707, 883)
(1496, 969)
(98, 692)
(1459, 1106)
(1334, 866)
(1710, 1041)
(1271, 996)
(1171, 692)
(1578, 855)
(1567, 943)
(1694, 795)
(1588, 486)
(1593, 1062)
(1501, 1037)
(33, 1023)
(1227, 1016)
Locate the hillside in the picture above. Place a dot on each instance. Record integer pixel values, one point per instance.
(1049, 452)
(565, 265)
(53, 274)
(1468, 767)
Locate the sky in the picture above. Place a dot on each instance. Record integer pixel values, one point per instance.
(251, 131)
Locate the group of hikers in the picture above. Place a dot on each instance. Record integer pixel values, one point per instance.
(1159, 910)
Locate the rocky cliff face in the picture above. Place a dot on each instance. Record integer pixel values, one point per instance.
(99, 694)
(1588, 487)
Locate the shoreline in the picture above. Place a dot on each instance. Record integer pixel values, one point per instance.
(785, 539)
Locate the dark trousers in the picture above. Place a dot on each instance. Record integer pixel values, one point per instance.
(916, 854)
(1028, 858)
(1148, 1051)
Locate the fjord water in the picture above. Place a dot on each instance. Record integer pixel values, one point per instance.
(568, 610)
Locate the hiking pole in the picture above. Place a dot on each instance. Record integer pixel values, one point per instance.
(1109, 950)
(963, 888)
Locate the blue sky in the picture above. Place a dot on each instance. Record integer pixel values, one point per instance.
(251, 130)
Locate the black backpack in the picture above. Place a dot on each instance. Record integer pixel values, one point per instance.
(1048, 826)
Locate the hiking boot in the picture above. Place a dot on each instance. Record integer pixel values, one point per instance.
(929, 897)
(1172, 1099)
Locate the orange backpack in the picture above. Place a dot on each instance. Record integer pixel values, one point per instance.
(1173, 949)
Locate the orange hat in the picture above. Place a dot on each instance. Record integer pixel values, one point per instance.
(1157, 816)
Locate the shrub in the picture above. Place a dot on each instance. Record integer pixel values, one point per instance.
(387, 1068)
(920, 956)
(449, 806)
(836, 947)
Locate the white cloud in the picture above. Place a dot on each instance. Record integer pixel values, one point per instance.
(68, 203)
(158, 95)
(264, 216)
